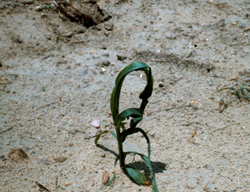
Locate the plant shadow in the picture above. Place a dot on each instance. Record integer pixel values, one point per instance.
(158, 167)
(107, 149)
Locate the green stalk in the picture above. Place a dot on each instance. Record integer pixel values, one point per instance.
(120, 148)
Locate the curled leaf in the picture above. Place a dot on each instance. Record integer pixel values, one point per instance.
(99, 135)
(137, 176)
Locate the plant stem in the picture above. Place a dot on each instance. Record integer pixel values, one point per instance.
(121, 153)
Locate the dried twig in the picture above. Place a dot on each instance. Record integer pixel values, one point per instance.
(6, 130)
(41, 187)
(195, 133)
(56, 183)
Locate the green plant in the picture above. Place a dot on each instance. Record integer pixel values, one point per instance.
(136, 114)
(242, 92)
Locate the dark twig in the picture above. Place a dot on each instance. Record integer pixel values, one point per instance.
(41, 186)
(6, 130)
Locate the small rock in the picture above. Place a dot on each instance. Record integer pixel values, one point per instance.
(242, 25)
(2, 156)
(106, 33)
(233, 78)
(60, 159)
(196, 104)
(86, 136)
(109, 26)
(43, 161)
(234, 23)
(17, 154)
(96, 123)
(40, 8)
(247, 80)
(71, 145)
(62, 61)
(121, 57)
(82, 132)
(103, 155)
(68, 34)
(102, 71)
(105, 54)
(72, 131)
(27, 1)
(16, 38)
(105, 177)
(80, 29)
(170, 35)
(83, 73)
(68, 67)
(161, 85)
(106, 62)
(67, 183)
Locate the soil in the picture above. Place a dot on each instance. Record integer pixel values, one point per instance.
(57, 70)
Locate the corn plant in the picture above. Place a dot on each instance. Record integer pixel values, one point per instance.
(136, 115)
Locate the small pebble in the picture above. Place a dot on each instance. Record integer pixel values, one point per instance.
(69, 34)
(102, 71)
(161, 85)
(109, 26)
(43, 161)
(96, 123)
(60, 159)
(67, 183)
(121, 57)
(105, 178)
(103, 155)
(106, 62)
(72, 131)
(61, 62)
(71, 145)
(247, 80)
(170, 35)
(82, 132)
(40, 8)
(233, 78)
(196, 104)
(80, 29)
(86, 136)
(27, 1)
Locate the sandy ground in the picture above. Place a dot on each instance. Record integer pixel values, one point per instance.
(56, 77)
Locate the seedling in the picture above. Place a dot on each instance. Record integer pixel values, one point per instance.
(136, 114)
(241, 92)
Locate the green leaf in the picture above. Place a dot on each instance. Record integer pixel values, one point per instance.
(208, 67)
(117, 158)
(137, 176)
(135, 113)
(99, 135)
(43, 89)
(147, 162)
(130, 131)
(113, 134)
(145, 94)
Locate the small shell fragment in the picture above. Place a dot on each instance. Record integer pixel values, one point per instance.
(105, 177)
(170, 35)
(196, 104)
(96, 123)
(67, 183)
